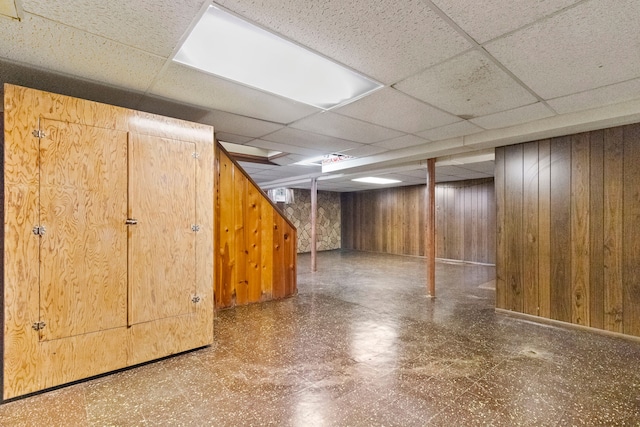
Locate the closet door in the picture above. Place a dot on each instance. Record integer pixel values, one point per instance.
(83, 246)
(163, 228)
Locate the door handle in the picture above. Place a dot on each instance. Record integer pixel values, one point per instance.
(131, 221)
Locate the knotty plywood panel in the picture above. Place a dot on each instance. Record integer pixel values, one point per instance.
(514, 246)
(561, 229)
(613, 220)
(266, 253)
(544, 228)
(631, 231)
(580, 244)
(241, 283)
(530, 229)
(162, 197)
(83, 204)
(279, 258)
(501, 246)
(226, 277)
(596, 230)
(253, 236)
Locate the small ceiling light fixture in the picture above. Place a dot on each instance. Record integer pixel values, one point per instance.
(227, 46)
(374, 180)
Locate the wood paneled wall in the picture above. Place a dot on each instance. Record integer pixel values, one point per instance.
(391, 220)
(465, 221)
(256, 244)
(568, 219)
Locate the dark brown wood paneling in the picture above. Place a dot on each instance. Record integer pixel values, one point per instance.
(501, 255)
(596, 230)
(544, 228)
(631, 231)
(560, 241)
(588, 209)
(613, 172)
(580, 173)
(530, 229)
(514, 242)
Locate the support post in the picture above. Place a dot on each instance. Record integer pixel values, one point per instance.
(314, 213)
(430, 227)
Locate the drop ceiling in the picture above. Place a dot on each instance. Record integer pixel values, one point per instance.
(458, 76)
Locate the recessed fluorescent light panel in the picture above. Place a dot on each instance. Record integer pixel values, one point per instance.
(374, 180)
(229, 47)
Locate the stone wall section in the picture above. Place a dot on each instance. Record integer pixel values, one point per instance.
(328, 220)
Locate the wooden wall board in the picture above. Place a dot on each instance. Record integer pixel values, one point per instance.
(596, 230)
(501, 246)
(530, 216)
(588, 209)
(580, 233)
(513, 226)
(28, 364)
(631, 231)
(560, 241)
(613, 228)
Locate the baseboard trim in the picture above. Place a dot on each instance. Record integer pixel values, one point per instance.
(567, 325)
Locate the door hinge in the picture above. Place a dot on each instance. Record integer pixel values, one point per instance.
(38, 133)
(195, 227)
(195, 155)
(195, 299)
(39, 230)
(38, 326)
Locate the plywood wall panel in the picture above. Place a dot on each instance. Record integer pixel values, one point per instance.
(256, 243)
(501, 255)
(530, 216)
(613, 237)
(544, 228)
(513, 226)
(580, 234)
(560, 241)
(596, 230)
(391, 220)
(631, 232)
(29, 364)
(588, 192)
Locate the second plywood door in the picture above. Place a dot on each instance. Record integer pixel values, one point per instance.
(162, 199)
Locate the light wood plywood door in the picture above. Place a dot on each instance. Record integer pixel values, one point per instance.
(83, 249)
(162, 244)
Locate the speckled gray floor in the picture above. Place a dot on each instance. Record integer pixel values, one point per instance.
(362, 345)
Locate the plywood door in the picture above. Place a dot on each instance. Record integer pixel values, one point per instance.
(162, 245)
(83, 202)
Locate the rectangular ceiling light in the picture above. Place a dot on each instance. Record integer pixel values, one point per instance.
(374, 180)
(229, 47)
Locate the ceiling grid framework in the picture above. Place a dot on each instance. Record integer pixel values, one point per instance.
(458, 76)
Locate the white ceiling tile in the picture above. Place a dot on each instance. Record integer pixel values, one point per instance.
(455, 130)
(65, 85)
(338, 126)
(487, 19)
(401, 142)
(593, 44)
(365, 150)
(525, 114)
(197, 88)
(469, 85)
(607, 95)
(46, 44)
(390, 108)
(293, 158)
(239, 125)
(229, 137)
(152, 26)
(285, 148)
(361, 34)
(310, 140)
(260, 166)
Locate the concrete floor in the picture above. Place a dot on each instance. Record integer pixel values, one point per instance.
(362, 345)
